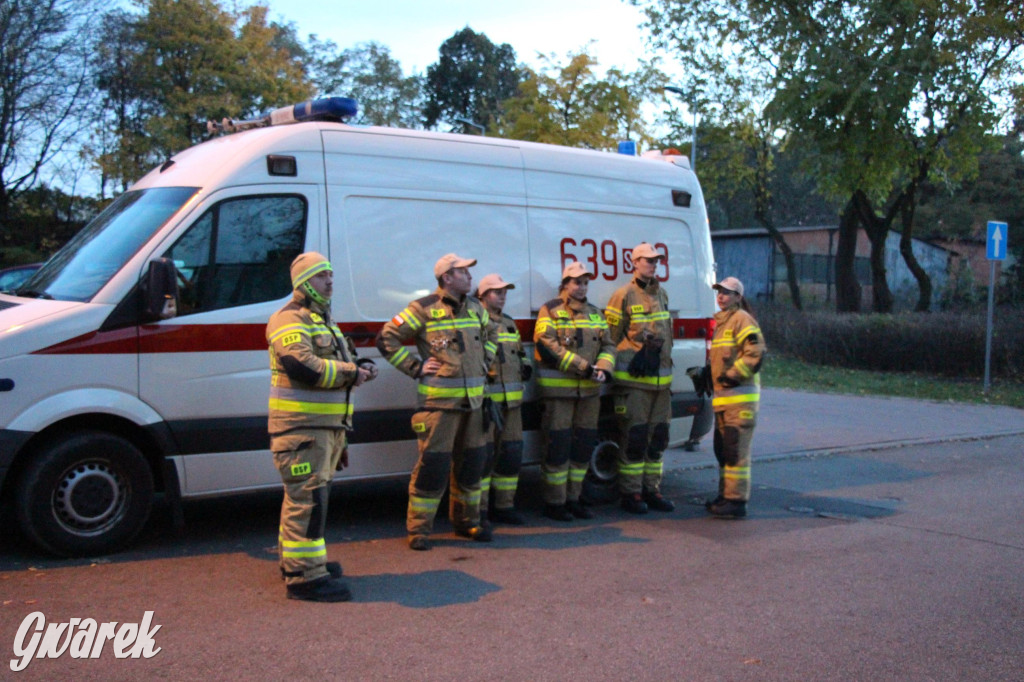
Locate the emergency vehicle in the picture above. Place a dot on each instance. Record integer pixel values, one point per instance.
(135, 363)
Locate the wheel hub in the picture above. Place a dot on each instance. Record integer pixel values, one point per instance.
(89, 497)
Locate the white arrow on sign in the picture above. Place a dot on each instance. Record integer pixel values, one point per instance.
(997, 237)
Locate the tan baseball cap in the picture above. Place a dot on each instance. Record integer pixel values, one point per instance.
(730, 284)
(492, 281)
(575, 269)
(449, 261)
(645, 250)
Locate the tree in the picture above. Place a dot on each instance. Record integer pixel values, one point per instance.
(568, 104)
(180, 63)
(370, 75)
(738, 159)
(890, 94)
(470, 80)
(45, 87)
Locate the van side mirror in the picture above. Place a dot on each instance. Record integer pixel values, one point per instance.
(160, 291)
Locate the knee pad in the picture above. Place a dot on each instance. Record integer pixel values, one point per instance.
(636, 442)
(433, 471)
(659, 441)
(559, 445)
(730, 446)
(583, 444)
(318, 514)
(472, 468)
(510, 459)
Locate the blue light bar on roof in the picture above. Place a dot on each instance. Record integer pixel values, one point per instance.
(322, 109)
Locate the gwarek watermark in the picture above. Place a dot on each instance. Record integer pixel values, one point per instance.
(82, 638)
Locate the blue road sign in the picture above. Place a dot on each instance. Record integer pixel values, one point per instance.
(996, 249)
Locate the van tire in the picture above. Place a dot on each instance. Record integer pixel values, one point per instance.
(87, 493)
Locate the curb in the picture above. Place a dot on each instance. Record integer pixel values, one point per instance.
(863, 447)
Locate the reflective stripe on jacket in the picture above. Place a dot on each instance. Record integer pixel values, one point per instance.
(312, 367)
(457, 333)
(737, 351)
(571, 339)
(505, 378)
(638, 311)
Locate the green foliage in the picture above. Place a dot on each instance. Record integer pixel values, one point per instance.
(945, 344)
(369, 74)
(782, 371)
(179, 63)
(568, 104)
(470, 80)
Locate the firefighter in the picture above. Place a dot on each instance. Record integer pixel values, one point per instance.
(313, 369)
(641, 327)
(456, 345)
(574, 354)
(504, 388)
(737, 351)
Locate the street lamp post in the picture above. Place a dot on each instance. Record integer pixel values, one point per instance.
(474, 124)
(693, 141)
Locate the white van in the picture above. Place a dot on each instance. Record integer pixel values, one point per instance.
(103, 403)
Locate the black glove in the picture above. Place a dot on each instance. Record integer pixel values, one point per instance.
(647, 360)
(727, 381)
(343, 460)
(701, 377)
(525, 372)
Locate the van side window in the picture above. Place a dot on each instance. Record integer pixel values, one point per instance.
(238, 252)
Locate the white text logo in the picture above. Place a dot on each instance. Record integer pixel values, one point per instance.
(81, 638)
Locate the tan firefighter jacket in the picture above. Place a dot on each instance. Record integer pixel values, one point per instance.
(635, 313)
(312, 369)
(505, 377)
(571, 340)
(737, 350)
(458, 334)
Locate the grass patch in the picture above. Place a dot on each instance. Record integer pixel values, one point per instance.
(783, 372)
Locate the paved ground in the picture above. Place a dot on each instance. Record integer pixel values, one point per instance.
(885, 543)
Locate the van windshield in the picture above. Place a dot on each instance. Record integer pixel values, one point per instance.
(101, 248)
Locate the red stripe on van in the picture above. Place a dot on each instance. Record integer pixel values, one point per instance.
(222, 338)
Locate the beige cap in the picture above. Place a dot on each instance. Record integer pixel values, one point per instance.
(306, 265)
(575, 269)
(449, 261)
(492, 281)
(645, 250)
(730, 284)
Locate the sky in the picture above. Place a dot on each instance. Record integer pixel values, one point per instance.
(413, 30)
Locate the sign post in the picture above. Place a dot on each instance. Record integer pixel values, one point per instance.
(995, 250)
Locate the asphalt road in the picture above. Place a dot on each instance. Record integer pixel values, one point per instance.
(885, 542)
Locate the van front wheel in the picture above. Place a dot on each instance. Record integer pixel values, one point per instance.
(86, 494)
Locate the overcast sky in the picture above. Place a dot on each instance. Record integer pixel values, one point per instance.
(414, 29)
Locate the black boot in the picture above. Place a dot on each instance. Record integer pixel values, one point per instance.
(325, 589)
(557, 512)
(657, 502)
(634, 504)
(577, 509)
(728, 509)
(507, 516)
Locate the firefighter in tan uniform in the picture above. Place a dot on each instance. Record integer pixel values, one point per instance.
(574, 354)
(313, 369)
(504, 388)
(641, 327)
(456, 344)
(737, 351)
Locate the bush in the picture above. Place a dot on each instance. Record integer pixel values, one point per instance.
(948, 344)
